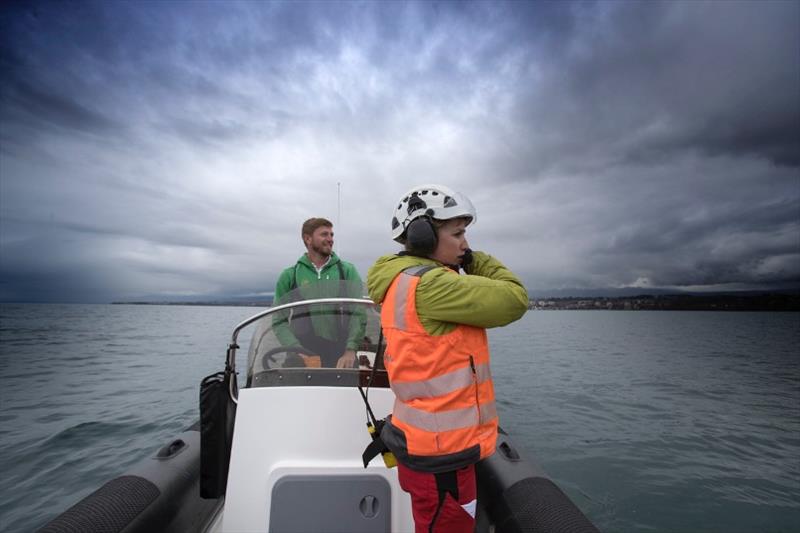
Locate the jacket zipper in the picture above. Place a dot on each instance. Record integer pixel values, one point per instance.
(475, 380)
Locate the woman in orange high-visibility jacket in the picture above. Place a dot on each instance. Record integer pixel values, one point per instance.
(444, 418)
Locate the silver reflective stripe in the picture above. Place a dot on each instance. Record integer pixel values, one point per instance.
(416, 270)
(447, 420)
(400, 301)
(483, 372)
(440, 385)
(431, 388)
(436, 422)
(488, 412)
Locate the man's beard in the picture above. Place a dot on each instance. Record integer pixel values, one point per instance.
(321, 250)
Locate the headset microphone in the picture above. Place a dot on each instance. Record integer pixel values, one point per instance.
(466, 259)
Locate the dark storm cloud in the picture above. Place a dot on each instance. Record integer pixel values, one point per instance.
(729, 245)
(671, 230)
(56, 109)
(652, 110)
(66, 274)
(655, 79)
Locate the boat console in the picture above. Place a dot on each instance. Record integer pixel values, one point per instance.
(301, 423)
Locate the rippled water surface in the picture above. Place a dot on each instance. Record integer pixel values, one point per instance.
(650, 421)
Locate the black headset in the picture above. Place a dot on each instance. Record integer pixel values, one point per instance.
(421, 236)
(420, 232)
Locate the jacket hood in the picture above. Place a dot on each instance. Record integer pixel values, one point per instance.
(386, 268)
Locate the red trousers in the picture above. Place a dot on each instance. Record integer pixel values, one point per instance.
(441, 503)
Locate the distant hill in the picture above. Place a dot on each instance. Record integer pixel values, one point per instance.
(599, 293)
(739, 301)
(638, 291)
(230, 301)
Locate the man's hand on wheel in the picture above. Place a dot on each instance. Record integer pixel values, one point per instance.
(347, 360)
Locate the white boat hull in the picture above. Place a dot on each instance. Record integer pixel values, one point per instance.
(307, 433)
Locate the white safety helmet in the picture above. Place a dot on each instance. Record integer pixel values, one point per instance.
(434, 201)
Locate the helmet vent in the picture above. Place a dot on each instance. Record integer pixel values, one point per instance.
(449, 202)
(416, 203)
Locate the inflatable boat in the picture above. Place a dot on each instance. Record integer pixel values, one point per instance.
(281, 446)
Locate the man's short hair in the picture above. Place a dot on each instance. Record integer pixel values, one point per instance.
(311, 225)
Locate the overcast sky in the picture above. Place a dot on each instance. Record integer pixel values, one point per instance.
(173, 149)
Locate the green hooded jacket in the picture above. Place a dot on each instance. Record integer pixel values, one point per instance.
(490, 295)
(301, 276)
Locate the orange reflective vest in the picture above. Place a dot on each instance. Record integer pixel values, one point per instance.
(444, 416)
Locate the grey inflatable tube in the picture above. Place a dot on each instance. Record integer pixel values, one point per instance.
(160, 494)
(519, 497)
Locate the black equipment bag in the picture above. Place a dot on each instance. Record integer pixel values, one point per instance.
(217, 415)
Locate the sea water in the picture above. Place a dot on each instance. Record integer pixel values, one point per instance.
(648, 420)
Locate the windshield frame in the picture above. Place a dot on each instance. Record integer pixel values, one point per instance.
(230, 359)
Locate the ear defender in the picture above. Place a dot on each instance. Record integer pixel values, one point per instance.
(421, 236)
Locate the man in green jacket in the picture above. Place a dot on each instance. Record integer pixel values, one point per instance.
(319, 273)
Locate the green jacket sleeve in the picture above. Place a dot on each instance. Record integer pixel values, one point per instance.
(488, 296)
(358, 322)
(283, 285)
(280, 320)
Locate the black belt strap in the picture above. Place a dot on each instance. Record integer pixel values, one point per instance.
(446, 483)
(371, 452)
(376, 446)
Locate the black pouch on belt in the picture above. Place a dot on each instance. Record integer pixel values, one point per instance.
(377, 446)
(217, 415)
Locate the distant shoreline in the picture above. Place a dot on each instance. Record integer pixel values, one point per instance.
(201, 304)
(674, 302)
(644, 302)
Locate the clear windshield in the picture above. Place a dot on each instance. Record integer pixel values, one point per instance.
(315, 336)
